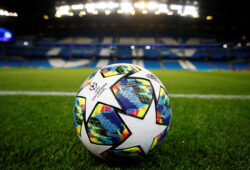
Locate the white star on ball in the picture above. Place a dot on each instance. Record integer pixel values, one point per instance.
(143, 130)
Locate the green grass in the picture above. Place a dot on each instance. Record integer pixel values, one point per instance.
(175, 81)
(37, 131)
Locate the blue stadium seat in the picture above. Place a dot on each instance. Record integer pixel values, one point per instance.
(124, 61)
(151, 53)
(93, 64)
(218, 53)
(240, 65)
(16, 50)
(152, 64)
(97, 51)
(3, 63)
(124, 52)
(202, 65)
(200, 54)
(15, 62)
(221, 65)
(38, 51)
(240, 53)
(65, 52)
(45, 64)
(34, 62)
(172, 65)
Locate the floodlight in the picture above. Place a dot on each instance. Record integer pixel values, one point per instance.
(77, 7)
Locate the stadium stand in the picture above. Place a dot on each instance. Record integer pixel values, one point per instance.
(124, 52)
(65, 52)
(202, 65)
(220, 65)
(161, 52)
(15, 62)
(240, 65)
(152, 64)
(124, 61)
(172, 65)
(38, 51)
(53, 51)
(3, 63)
(146, 40)
(31, 63)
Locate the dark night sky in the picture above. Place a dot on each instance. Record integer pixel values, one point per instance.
(225, 13)
(233, 11)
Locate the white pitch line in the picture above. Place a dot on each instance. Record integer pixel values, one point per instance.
(57, 93)
(37, 93)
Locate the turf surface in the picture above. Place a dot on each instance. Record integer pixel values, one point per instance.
(37, 131)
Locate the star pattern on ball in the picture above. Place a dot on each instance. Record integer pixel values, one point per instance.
(99, 92)
(152, 78)
(94, 148)
(143, 130)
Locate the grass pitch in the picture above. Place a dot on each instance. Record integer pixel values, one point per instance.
(38, 132)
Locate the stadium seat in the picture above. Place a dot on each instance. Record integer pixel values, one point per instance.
(151, 53)
(124, 52)
(15, 62)
(172, 65)
(38, 51)
(240, 65)
(31, 63)
(124, 61)
(16, 50)
(202, 65)
(3, 63)
(221, 65)
(152, 64)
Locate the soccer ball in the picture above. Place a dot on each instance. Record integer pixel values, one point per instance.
(122, 110)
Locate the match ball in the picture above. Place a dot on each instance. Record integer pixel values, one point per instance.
(122, 111)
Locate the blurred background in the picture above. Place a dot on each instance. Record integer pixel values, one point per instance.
(162, 34)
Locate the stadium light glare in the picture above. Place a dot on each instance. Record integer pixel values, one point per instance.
(119, 11)
(176, 7)
(90, 7)
(190, 10)
(170, 13)
(162, 8)
(8, 35)
(45, 17)
(95, 12)
(152, 5)
(196, 16)
(62, 10)
(113, 5)
(7, 13)
(144, 11)
(77, 7)
(132, 12)
(225, 46)
(238, 44)
(157, 13)
(107, 12)
(209, 18)
(140, 5)
(126, 7)
(82, 13)
(25, 43)
(101, 5)
(57, 15)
